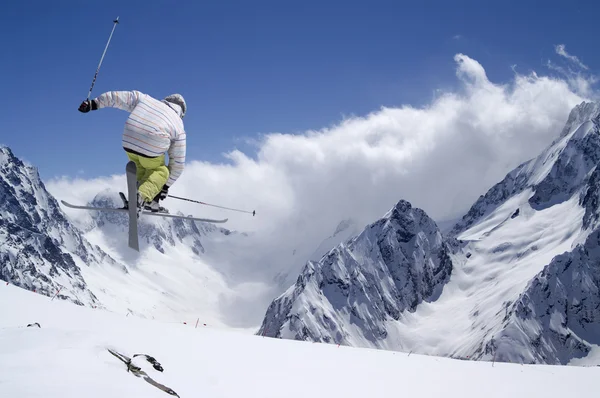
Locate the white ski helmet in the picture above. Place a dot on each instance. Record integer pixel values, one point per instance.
(177, 99)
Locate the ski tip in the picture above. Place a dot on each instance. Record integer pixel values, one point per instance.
(131, 167)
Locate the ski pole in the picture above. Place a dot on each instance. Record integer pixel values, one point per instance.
(116, 21)
(253, 212)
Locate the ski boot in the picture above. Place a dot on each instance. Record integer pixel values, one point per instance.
(155, 207)
(141, 204)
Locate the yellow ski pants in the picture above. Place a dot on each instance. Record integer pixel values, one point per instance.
(152, 174)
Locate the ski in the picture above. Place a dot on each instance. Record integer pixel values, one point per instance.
(131, 171)
(145, 213)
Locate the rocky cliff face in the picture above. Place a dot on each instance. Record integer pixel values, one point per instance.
(347, 296)
(557, 318)
(40, 249)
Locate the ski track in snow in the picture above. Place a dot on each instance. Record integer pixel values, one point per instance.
(471, 306)
(67, 357)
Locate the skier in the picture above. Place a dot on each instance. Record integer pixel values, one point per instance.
(154, 127)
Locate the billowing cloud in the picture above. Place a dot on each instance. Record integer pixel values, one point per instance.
(81, 191)
(440, 157)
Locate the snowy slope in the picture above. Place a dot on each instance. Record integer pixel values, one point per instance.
(67, 357)
(492, 269)
(501, 300)
(559, 313)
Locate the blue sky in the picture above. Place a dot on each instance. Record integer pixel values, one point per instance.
(247, 68)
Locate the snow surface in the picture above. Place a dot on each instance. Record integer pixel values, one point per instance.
(505, 254)
(67, 357)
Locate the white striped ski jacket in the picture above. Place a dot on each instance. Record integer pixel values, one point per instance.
(153, 127)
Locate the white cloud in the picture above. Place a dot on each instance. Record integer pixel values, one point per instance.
(561, 50)
(81, 191)
(440, 157)
(580, 83)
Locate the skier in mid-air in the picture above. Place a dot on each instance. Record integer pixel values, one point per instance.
(154, 127)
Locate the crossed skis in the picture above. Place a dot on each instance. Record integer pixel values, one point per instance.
(133, 211)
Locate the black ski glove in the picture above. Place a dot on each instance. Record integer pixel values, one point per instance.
(87, 106)
(162, 195)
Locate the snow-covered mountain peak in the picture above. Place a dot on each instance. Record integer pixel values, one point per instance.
(561, 171)
(579, 115)
(5, 154)
(409, 221)
(347, 296)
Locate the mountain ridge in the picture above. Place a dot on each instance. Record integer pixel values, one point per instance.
(511, 246)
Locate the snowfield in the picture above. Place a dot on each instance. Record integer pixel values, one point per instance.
(504, 255)
(67, 357)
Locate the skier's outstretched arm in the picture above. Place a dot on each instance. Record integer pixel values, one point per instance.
(125, 100)
(176, 159)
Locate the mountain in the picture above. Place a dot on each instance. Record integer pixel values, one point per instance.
(556, 316)
(39, 248)
(524, 268)
(345, 298)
